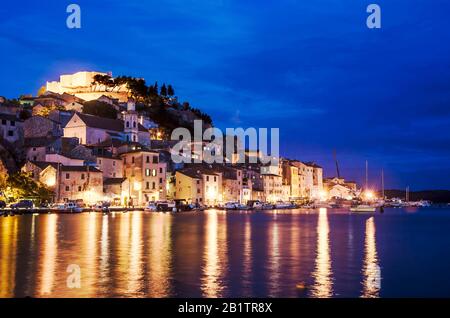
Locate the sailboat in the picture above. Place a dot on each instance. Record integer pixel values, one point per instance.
(364, 207)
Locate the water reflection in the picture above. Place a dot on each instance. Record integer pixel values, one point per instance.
(210, 254)
(8, 246)
(104, 250)
(323, 284)
(247, 253)
(215, 257)
(49, 251)
(371, 268)
(274, 258)
(160, 252)
(135, 269)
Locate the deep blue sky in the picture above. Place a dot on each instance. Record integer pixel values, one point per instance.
(311, 68)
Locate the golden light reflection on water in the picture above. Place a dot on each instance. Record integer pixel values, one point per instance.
(136, 254)
(8, 247)
(247, 255)
(49, 253)
(122, 250)
(371, 268)
(215, 260)
(274, 258)
(104, 250)
(323, 280)
(135, 270)
(160, 255)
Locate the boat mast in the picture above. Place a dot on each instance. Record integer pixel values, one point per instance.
(382, 183)
(367, 175)
(337, 165)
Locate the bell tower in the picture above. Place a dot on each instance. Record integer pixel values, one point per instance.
(130, 122)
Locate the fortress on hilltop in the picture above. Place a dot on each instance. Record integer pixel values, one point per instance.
(81, 84)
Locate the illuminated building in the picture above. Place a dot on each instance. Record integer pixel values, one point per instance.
(146, 177)
(199, 185)
(71, 183)
(81, 85)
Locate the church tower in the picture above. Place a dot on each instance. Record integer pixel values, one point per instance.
(130, 122)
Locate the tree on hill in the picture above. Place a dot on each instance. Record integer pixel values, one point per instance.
(100, 109)
(41, 91)
(170, 90)
(163, 91)
(20, 185)
(44, 111)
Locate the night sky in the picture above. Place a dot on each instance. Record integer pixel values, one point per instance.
(311, 68)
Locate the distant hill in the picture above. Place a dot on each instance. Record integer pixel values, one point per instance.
(436, 196)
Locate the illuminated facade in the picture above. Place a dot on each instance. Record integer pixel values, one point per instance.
(146, 177)
(71, 183)
(199, 185)
(81, 85)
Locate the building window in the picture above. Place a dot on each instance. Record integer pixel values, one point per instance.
(34, 158)
(82, 176)
(154, 172)
(13, 123)
(67, 175)
(4, 122)
(215, 179)
(155, 159)
(99, 161)
(134, 124)
(207, 178)
(147, 185)
(134, 138)
(198, 191)
(160, 180)
(147, 172)
(10, 133)
(79, 188)
(34, 148)
(160, 170)
(153, 185)
(128, 124)
(114, 163)
(67, 188)
(198, 181)
(147, 159)
(132, 159)
(114, 174)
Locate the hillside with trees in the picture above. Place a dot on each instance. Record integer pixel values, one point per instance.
(157, 102)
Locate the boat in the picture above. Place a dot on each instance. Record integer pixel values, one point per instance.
(282, 205)
(267, 206)
(255, 204)
(71, 207)
(241, 206)
(150, 207)
(231, 206)
(165, 206)
(363, 208)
